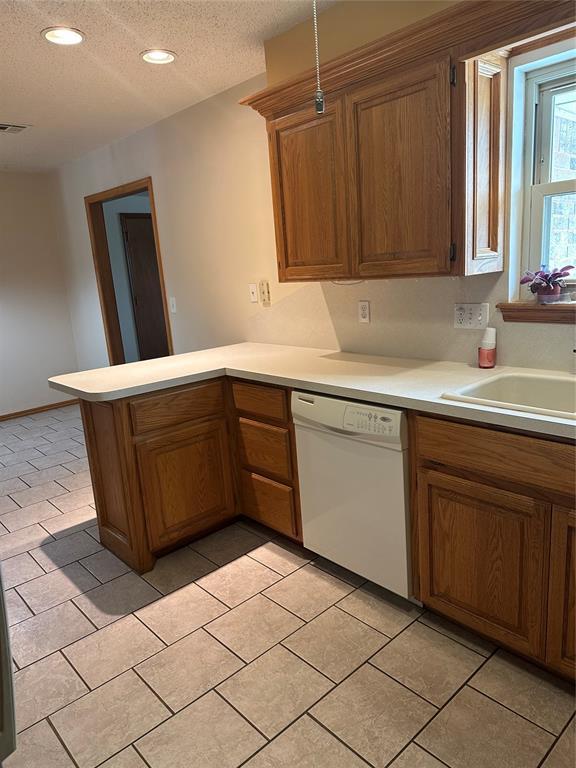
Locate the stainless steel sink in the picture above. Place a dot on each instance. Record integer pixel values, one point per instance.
(549, 395)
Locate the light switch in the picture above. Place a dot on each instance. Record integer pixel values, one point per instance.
(253, 290)
(173, 304)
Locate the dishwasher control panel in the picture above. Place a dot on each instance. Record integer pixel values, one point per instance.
(367, 420)
(359, 421)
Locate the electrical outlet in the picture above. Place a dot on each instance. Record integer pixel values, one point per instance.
(253, 291)
(473, 316)
(264, 290)
(173, 304)
(363, 311)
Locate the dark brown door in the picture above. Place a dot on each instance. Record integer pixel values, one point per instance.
(145, 285)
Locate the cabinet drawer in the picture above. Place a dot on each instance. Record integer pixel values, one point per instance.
(265, 448)
(528, 461)
(269, 503)
(260, 400)
(170, 408)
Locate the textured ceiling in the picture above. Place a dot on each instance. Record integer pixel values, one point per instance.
(81, 97)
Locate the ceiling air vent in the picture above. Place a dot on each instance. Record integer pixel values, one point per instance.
(10, 128)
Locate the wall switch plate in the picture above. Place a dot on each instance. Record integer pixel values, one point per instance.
(253, 290)
(473, 316)
(173, 304)
(264, 290)
(363, 311)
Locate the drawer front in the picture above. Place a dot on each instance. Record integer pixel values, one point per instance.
(265, 449)
(528, 461)
(269, 502)
(168, 409)
(260, 400)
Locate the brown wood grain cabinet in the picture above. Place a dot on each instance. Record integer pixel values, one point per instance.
(482, 555)
(414, 183)
(186, 481)
(484, 80)
(399, 172)
(173, 465)
(496, 535)
(560, 647)
(266, 454)
(308, 161)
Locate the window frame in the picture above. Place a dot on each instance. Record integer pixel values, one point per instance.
(540, 85)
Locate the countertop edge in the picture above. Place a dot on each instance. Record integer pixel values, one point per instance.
(465, 411)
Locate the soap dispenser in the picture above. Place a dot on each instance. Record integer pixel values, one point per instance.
(487, 349)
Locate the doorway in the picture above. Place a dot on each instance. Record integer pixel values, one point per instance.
(124, 237)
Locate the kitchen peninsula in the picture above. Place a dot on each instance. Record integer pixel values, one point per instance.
(181, 445)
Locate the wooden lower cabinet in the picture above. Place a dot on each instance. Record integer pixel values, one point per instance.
(560, 646)
(495, 531)
(483, 558)
(266, 457)
(186, 481)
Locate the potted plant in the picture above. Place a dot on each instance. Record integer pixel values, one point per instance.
(547, 284)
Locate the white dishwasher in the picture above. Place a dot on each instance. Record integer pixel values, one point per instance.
(352, 467)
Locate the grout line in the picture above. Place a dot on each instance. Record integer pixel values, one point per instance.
(554, 743)
(454, 639)
(139, 620)
(238, 712)
(338, 738)
(449, 700)
(495, 701)
(438, 707)
(354, 588)
(60, 739)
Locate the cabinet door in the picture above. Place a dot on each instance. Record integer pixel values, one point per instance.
(482, 558)
(560, 647)
(484, 82)
(399, 149)
(307, 160)
(186, 481)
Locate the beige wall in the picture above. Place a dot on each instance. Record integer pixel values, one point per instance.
(35, 331)
(209, 166)
(342, 27)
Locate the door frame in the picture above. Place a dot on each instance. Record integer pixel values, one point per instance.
(103, 269)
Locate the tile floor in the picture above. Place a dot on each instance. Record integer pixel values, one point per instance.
(238, 650)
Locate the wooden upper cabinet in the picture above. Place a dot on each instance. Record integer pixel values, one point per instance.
(483, 558)
(399, 137)
(561, 642)
(308, 159)
(484, 82)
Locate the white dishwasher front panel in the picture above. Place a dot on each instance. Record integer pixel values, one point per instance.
(354, 501)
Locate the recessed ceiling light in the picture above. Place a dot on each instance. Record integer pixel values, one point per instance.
(158, 56)
(63, 35)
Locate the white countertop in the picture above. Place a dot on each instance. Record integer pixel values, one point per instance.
(414, 384)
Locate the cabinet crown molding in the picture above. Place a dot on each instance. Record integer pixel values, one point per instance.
(469, 29)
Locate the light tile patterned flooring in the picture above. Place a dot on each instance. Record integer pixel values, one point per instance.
(240, 649)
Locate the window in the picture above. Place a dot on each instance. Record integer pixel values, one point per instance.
(551, 194)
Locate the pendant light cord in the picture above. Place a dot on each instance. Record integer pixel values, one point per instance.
(319, 97)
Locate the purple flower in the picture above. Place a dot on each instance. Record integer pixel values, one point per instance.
(545, 278)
